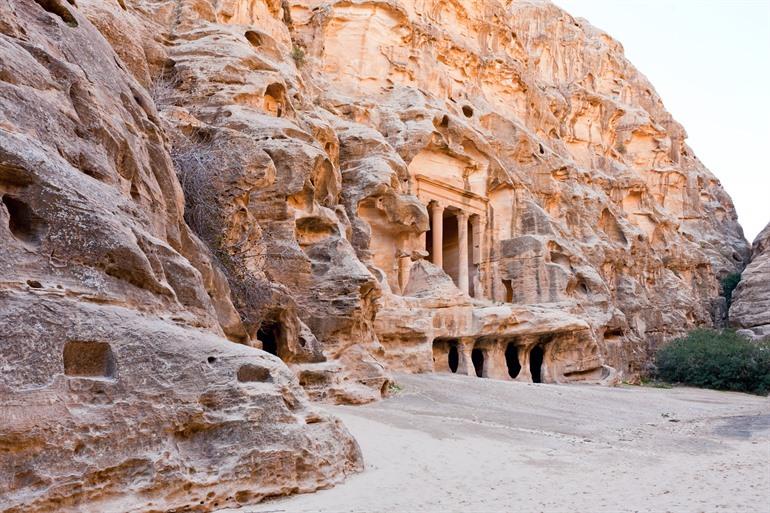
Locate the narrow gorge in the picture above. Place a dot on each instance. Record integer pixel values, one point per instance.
(218, 213)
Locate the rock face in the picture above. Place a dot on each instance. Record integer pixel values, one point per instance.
(750, 309)
(473, 186)
(569, 227)
(118, 390)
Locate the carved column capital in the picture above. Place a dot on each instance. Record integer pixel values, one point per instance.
(435, 206)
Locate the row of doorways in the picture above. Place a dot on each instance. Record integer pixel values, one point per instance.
(536, 355)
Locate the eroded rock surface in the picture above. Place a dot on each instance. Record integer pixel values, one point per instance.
(376, 179)
(566, 216)
(118, 389)
(480, 187)
(750, 309)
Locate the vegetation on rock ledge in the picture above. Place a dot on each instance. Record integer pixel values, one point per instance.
(298, 54)
(729, 283)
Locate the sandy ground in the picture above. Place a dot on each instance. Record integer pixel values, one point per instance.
(457, 444)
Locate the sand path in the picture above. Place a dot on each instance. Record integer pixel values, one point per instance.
(457, 444)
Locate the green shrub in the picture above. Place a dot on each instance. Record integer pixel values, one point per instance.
(298, 54)
(729, 283)
(722, 360)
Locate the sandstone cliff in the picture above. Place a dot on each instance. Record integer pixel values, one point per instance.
(593, 231)
(750, 309)
(353, 186)
(118, 390)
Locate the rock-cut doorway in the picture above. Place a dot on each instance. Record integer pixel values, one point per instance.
(477, 357)
(536, 363)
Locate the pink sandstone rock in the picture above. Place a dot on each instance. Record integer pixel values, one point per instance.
(480, 187)
(750, 309)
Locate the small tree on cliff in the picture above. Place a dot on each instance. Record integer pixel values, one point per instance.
(729, 283)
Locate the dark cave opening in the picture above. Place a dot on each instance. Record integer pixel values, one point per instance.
(269, 334)
(536, 363)
(23, 223)
(512, 360)
(477, 357)
(454, 358)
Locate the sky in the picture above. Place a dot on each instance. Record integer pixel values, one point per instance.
(709, 60)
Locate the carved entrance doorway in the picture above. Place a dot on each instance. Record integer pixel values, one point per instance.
(536, 363)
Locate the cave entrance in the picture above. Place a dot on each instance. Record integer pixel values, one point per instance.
(512, 360)
(274, 100)
(269, 335)
(23, 223)
(446, 355)
(477, 357)
(536, 363)
(508, 291)
(453, 358)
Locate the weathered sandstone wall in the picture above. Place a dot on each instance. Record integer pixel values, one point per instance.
(594, 232)
(750, 309)
(325, 147)
(355, 187)
(118, 389)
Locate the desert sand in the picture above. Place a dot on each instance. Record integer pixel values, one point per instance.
(448, 443)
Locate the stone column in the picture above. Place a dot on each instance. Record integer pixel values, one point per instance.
(437, 232)
(494, 360)
(404, 266)
(462, 248)
(478, 232)
(465, 348)
(525, 374)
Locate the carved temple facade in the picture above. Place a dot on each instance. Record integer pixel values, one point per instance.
(455, 241)
(471, 239)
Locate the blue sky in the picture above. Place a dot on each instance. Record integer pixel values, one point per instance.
(710, 62)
